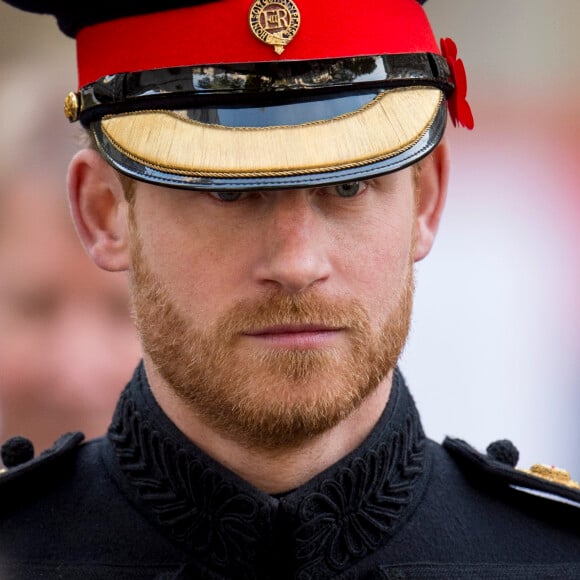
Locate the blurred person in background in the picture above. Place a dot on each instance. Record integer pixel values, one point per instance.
(67, 342)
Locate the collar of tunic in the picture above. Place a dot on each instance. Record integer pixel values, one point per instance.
(229, 528)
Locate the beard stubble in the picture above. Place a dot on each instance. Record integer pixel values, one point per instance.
(267, 398)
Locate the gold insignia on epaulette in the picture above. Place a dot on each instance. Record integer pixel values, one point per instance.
(553, 474)
(275, 22)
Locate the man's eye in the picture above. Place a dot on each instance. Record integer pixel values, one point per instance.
(227, 195)
(349, 189)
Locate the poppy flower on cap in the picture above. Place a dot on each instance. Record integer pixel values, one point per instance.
(459, 109)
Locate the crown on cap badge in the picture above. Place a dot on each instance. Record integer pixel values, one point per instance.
(275, 22)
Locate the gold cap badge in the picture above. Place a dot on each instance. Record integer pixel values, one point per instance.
(275, 22)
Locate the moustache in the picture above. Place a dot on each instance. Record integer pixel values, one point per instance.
(278, 310)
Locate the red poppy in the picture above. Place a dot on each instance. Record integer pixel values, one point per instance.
(459, 109)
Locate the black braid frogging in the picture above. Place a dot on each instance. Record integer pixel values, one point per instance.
(318, 531)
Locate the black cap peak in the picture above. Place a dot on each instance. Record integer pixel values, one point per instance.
(72, 17)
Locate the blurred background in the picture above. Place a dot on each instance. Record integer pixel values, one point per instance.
(494, 350)
(495, 346)
(67, 342)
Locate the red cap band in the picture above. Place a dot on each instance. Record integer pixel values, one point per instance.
(219, 32)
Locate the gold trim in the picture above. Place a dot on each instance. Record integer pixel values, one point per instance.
(163, 140)
(553, 474)
(71, 107)
(274, 22)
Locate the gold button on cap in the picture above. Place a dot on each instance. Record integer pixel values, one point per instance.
(71, 107)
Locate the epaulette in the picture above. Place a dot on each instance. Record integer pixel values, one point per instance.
(499, 464)
(17, 455)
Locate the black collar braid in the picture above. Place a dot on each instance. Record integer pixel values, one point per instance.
(232, 529)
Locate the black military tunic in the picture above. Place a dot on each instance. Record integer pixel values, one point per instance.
(144, 502)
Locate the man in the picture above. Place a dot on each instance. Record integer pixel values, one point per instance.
(54, 302)
(268, 173)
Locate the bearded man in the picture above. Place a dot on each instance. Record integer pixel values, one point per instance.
(268, 173)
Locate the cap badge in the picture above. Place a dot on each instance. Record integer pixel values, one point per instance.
(275, 22)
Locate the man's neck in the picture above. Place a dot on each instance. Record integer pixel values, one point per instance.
(273, 471)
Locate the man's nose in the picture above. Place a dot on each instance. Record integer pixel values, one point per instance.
(295, 253)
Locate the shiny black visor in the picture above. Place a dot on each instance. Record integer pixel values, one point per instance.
(262, 94)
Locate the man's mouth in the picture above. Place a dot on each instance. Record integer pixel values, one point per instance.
(296, 335)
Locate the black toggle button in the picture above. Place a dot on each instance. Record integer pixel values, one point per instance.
(17, 450)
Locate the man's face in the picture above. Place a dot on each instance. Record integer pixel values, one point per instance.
(275, 314)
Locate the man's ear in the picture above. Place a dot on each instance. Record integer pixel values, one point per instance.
(432, 191)
(99, 210)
